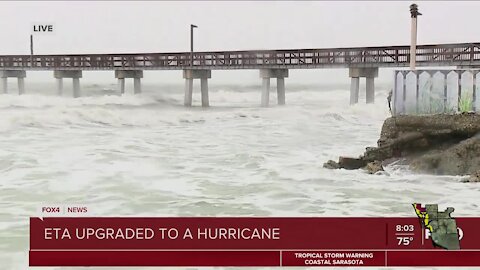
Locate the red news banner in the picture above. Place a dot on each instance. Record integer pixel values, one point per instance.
(334, 242)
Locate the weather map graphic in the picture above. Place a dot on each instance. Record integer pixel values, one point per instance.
(442, 227)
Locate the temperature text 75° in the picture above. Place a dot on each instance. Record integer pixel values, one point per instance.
(404, 240)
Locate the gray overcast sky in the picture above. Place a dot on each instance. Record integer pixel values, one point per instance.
(116, 27)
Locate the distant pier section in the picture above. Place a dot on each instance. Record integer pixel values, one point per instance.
(362, 62)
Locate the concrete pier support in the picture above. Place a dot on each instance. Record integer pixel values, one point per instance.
(21, 86)
(137, 86)
(19, 74)
(203, 75)
(266, 74)
(281, 91)
(354, 90)
(370, 90)
(76, 87)
(265, 92)
(74, 74)
(137, 75)
(187, 100)
(59, 86)
(4, 85)
(370, 74)
(204, 92)
(121, 86)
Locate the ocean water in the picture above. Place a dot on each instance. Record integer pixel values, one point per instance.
(147, 155)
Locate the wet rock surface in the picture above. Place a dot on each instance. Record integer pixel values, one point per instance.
(331, 165)
(437, 144)
(374, 167)
(474, 178)
(351, 163)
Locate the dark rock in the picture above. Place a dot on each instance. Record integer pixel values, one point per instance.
(378, 153)
(331, 165)
(440, 144)
(474, 178)
(460, 159)
(468, 124)
(374, 167)
(351, 163)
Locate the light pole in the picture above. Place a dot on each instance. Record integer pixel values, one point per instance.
(191, 43)
(31, 51)
(413, 44)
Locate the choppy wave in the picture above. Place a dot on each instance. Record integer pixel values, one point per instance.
(147, 155)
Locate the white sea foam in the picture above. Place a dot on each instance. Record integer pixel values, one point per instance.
(147, 155)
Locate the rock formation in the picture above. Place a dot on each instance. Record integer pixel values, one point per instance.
(438, 144)
(374, 167)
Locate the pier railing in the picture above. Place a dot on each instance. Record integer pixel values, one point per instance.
(436, 91)
(389, 56)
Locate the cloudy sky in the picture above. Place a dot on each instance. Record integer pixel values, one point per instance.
(121, 27)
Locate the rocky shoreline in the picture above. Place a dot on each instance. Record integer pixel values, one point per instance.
(436, 144)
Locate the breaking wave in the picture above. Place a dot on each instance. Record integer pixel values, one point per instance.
(147, 155)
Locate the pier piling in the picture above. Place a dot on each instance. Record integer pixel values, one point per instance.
(280, 75)
(355, 74)
(75, 75)
(4, 85)
(121, 86)
(21, 86)
(265, 92)
(59, 86)
(370, 90)
(19, 74)
(137, 75)
(204, 92)
(354, 90)
(187, 101)
(203, 75)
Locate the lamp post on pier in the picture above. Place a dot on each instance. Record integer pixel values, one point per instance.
(413, 43)
(31, 51)
(192, 26)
